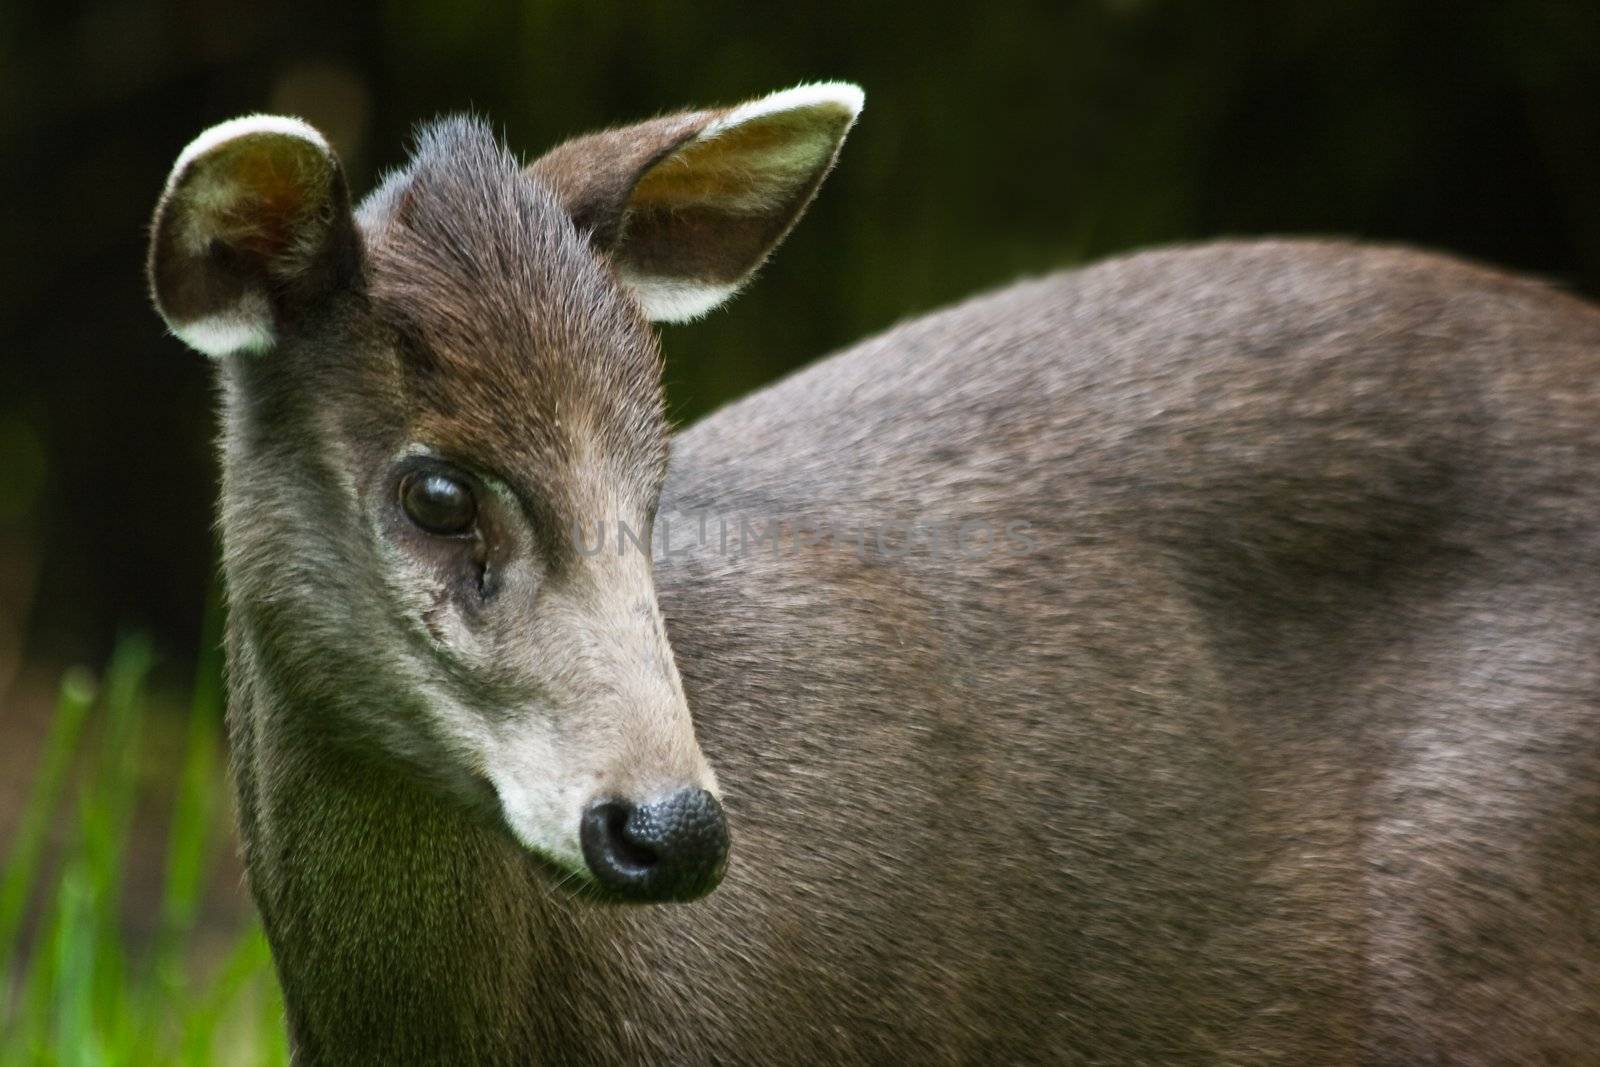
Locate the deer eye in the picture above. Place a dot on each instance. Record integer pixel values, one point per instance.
(438, 503)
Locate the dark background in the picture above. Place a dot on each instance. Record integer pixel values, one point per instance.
(998, 140)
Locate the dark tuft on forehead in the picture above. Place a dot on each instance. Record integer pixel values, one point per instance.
(477, 252)
(514, 336)
(468, 205)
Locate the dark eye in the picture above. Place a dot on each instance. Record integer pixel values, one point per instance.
(438, 503)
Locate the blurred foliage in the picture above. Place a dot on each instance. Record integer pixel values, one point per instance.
(998, 140)
(83, 993)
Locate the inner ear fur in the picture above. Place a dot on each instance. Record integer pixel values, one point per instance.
(254, 223)
(689, 206)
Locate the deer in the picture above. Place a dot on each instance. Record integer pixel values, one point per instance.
(1189, 657)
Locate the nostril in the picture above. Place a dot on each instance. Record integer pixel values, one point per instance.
(614, 855)
(629, 848)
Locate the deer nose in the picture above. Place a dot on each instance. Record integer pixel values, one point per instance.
(675, 848)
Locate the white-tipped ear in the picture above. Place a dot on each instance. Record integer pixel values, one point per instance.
(843, 98)
(690, 205)
(247, 126)
(255, 217)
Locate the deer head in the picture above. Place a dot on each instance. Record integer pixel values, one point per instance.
(424, 396)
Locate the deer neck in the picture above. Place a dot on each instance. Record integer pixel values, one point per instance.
(404, 927)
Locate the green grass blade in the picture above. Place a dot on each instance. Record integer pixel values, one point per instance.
(273, 1029)
(27, 848)
(249, 962)
(30, 1030)
(76, 1039)
(192, 835)
(194, 814)
(106, 819)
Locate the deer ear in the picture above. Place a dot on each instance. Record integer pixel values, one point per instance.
(254, 224)
(688, 206)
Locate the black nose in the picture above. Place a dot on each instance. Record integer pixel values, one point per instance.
(675, 848)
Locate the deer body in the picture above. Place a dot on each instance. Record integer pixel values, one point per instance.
(1262, 725)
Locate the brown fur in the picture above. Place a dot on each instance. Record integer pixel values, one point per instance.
(1277, 741)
